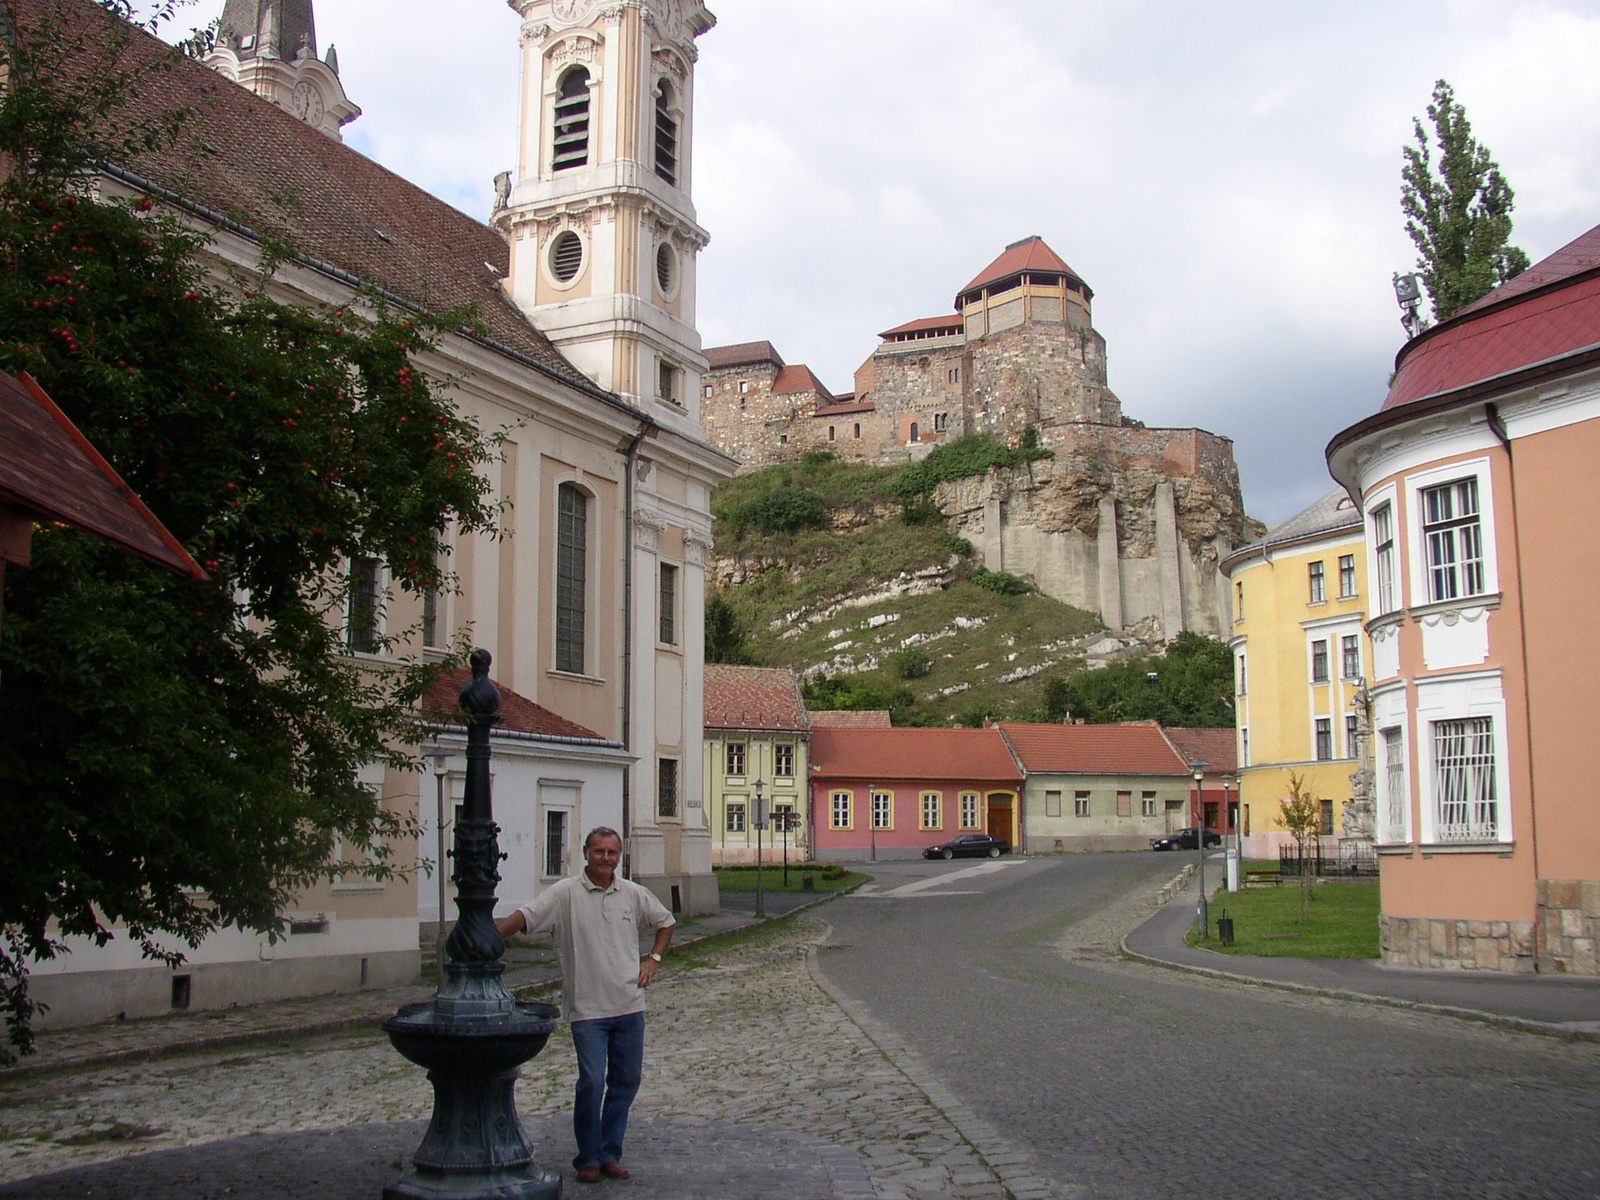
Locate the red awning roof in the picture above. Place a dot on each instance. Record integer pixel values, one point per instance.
(49, 470)
(900, 754)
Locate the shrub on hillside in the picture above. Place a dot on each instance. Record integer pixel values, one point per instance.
(782, 510)
(1002, 583)
(965, 457)
(910, 662)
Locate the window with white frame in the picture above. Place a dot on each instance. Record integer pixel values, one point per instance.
(1324, 734)
(1350, 656)
(735, 818)
(969, 810)
(1147, 804)
(1464, 792)
(933, 810)
(1350, 736)
(1396, 803)
(735, 758)
(1080, 804)
(839, 810)
(882, 810)
(1318, 583)
(555, 841)
(1319, 661)
(783, 760)
(1347, 576)
(1453, 540)
(1383, 556)
(1244, 675)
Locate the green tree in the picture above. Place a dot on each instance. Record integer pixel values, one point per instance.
(1191, 685)
(725, 635)
(181, 756)
(1301, 814)
(824, 692)
(1458, 211)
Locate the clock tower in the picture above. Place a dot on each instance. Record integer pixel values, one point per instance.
(270, 47)
(598, 212)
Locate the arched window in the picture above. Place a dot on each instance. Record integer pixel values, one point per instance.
(571, 144)
(572, 577)
(666, 134)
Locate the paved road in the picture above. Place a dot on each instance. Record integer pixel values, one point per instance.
(1131, 1082)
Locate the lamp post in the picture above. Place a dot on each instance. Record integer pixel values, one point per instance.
(440, 758)
(761, 823)
(1198, 770)
(1236, 867)
(872, 818)
(786, 823)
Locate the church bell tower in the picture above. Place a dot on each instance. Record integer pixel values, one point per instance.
(270, 47)
(598, 212)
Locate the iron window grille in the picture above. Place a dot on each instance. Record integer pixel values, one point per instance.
(1395, 801)
(1465, 802)
(667, 787)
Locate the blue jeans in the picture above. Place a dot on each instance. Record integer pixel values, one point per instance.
(610, 1063)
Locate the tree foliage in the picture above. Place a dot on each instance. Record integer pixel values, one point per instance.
(1190, 686)
(182, 756)
(1301, 814)
(965, 457)
(824, 692)
(1458, 210)
(725, 634)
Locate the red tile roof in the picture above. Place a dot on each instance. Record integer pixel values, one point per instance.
(1137, 748)
(954, 322)
(846, 408)
(1551, 309)
(1217, 748)
(518, 713)
(742, 354)
(48, 469)
(245, 157)
(846, 719)
(1030, 254)
(798, 379)
(904, 754)
(753, 698)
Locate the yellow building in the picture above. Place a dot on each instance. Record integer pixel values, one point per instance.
(1300, 655)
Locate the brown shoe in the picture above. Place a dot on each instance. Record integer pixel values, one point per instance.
(614, 1170)
(588, 1174)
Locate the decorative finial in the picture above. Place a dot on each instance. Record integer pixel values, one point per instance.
(480, 697)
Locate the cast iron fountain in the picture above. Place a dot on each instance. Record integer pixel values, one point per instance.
(473, 1036)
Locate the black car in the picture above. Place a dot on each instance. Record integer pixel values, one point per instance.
(1184, 839)
(969, 845)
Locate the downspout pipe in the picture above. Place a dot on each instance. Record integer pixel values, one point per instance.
(645, 430)
(1497, 426)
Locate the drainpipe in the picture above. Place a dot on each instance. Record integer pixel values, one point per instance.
(627, 636)
(1497, 426)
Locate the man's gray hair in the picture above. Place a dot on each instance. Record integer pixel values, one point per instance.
(600, 831)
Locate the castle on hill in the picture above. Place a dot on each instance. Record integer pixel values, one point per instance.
(1126, 520)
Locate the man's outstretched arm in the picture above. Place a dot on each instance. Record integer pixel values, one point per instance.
(649, 967)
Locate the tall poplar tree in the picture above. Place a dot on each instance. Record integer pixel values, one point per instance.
(1458, 211)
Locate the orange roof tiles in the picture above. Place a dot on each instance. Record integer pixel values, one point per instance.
(274, 175)
(845, 408)
(1217, 748)
(798, 379)
(753, 698)
(847, 719)
(908, 754)
(1030, 254)
(1133, 749)
(49, 469)
(954, 322)
(518, 713)
(742, 354)
(1551, 309)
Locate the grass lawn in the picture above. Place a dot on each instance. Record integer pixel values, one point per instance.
(1266, 921)
(743, 879)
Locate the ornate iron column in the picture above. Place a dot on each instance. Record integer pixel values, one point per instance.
(472, 1037)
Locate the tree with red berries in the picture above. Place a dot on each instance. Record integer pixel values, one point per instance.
(177, 756)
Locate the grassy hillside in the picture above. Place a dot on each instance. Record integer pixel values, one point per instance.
(849, 570)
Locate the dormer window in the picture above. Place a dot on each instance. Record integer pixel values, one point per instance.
(571, 143)
(666, 134)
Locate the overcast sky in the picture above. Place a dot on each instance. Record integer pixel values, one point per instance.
(1225, 176)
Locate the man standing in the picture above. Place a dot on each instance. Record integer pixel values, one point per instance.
(594, 918)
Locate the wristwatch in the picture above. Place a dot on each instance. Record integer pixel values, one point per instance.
(654, 955)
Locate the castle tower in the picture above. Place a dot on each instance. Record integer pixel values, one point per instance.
(270, 47)
(602, 229)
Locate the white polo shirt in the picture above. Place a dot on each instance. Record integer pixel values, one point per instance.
(596, 934)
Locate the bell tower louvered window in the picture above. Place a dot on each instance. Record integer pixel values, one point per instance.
(571, 145)
(666, 135)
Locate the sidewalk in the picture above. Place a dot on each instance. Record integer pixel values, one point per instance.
(1558, 1005)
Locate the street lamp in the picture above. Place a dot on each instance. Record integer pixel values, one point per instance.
(1198, 770)
(1236, 867)
(761, 823)
(440, 757)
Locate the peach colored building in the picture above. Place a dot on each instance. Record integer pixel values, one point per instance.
(1478, 486)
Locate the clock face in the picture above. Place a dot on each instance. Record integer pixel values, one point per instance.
(569, 10)
(306, 102)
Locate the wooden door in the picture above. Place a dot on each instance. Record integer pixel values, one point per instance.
(1000, 820)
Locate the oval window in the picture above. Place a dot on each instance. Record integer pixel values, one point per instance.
(566, 256)
(665, 268)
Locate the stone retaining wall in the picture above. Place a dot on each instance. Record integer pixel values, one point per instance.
(1457, 945)
(1569, 926)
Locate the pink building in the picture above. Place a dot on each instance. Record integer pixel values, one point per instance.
(1479, 486)
(891, 792)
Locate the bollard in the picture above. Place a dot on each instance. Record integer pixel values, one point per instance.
(808, 883)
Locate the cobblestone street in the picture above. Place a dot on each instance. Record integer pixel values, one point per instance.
(752, 1041)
